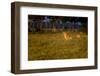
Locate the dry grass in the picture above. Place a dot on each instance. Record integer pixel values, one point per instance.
(47, 46)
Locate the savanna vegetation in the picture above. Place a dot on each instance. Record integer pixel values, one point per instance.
(44, 46)
(57, 39)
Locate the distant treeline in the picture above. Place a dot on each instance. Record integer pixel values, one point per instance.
(38, 23)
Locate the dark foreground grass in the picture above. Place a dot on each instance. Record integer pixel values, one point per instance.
(48, 46)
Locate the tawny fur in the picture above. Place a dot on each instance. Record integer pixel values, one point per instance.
(66, 36)
(78, 36)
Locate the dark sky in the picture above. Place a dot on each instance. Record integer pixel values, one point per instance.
(63, 18)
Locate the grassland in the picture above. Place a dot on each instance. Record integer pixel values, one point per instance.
(48, 46)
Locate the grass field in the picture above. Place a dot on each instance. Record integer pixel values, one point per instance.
(58, 45)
